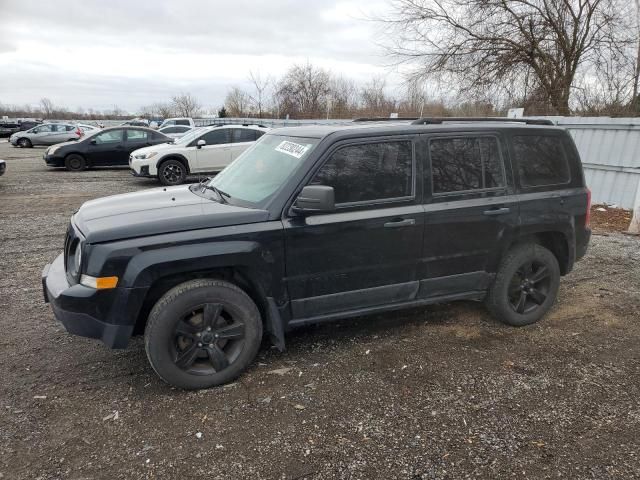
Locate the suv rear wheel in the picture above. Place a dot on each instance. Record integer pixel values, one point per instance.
(525, 286)
(202, 333)
(172, 172)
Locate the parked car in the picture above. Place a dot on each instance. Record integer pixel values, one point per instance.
(8, 128)
(322, 223)
(46, 134)
(87, 128)
(106, 147)
(175, 131)
(3, 167)
(136, 122)
(203, 150)
(178, 121)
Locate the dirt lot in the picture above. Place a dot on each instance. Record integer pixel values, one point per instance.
(442, 392)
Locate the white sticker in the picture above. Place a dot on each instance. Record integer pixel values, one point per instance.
(293, 149)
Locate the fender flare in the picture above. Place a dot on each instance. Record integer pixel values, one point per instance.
(176, 156)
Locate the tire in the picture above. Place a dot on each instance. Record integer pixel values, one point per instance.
(172, 172)
(24, 143)
(526, 285)
(180, 348)
(75, 162)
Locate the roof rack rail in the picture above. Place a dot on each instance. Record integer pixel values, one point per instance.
(440, 120)
(383, 119)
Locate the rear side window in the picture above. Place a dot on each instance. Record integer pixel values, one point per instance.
(369, 172)
(465, 164)
(182, 122)
(136, 135)
(243, 135)
(541, 160)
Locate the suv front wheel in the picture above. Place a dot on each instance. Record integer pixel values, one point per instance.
(202, 333)
(172, 172)
(525, 286)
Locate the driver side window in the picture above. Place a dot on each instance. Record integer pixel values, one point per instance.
(369, 172)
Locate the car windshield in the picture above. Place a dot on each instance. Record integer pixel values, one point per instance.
(263, 168)
(196, 132)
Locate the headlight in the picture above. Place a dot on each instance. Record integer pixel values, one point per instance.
(142, 156)
(51, 150)
(77, 258)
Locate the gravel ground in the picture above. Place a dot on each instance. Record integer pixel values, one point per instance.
(440, 392)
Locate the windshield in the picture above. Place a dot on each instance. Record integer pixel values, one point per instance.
(188, 137)
(263, 168)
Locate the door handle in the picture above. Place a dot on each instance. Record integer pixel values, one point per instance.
(497, 211)
(401, 222)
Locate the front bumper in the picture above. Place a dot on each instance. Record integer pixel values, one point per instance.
(52, 160)
(108, 315)
(144, 172)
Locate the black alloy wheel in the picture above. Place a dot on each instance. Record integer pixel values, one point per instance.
(172, 172)
(207, 340)
(529, 287)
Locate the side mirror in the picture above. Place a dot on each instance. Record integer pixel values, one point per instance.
(201, 143)
(93, 142)
(315, 199)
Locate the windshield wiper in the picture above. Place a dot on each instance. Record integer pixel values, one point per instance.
(220, 193)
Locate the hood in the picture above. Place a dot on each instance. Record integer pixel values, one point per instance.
(157, 211)
(63, 144)
(153, 148)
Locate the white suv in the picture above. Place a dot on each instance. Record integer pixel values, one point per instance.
(203, 150)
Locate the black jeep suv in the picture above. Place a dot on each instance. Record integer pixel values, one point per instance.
(320, 223)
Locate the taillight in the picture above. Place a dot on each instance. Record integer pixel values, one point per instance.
(587, 219)
(79, 132)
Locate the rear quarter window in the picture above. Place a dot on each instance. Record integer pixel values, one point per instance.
(541, 160)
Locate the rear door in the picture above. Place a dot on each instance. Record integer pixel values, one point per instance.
(471, 212)
(365, 253)
(135, 139)
(241, 139)
(216, 153)
(62, 133)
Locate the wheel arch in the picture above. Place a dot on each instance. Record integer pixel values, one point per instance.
(556, 241)
(174, 156)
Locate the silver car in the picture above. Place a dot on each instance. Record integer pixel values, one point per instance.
(46, 134)
(176, 131)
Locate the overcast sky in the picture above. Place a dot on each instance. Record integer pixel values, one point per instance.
(93, 53)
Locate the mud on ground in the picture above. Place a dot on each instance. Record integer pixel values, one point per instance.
(439, 392)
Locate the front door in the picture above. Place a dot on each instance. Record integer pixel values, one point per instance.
(106, 148)
(364, 253)
(471, 213)
(216, 153)
(42, 134)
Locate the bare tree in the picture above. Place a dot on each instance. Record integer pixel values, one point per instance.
(480, 43)
(343, 95)
(260, 86)
(304, 91)
(237, 102)
(46, 106)
(374, 98)
(186, 105)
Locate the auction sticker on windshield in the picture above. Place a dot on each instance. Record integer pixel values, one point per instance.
(293, 149)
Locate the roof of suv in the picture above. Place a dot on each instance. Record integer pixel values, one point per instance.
(390, 128)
